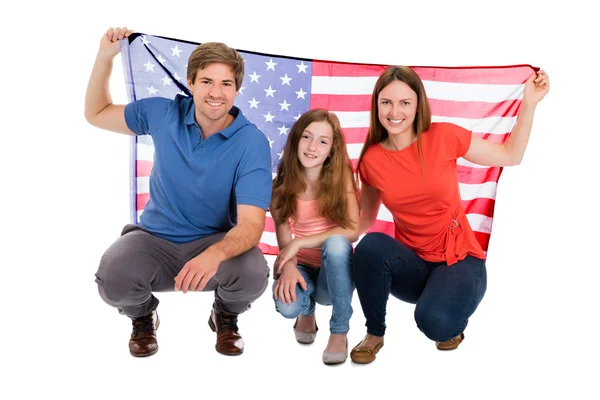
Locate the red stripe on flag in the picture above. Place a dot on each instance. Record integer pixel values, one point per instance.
(480, 205)
(324, 68)
(483, 239)
(488, 75)
(442, 108)
(478, 175)
(142, 200)
(474, 109)
(269, 224)
(143, 168)
(492, 137)
(384, 227)
(355, 135)
(267, 249)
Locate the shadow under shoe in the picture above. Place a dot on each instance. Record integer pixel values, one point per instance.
(229, 341)
(143, 341)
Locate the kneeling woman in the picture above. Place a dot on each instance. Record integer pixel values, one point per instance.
(410, 164)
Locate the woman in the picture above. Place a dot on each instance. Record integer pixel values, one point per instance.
(409, 164)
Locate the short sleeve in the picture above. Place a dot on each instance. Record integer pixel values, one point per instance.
(363, 171)
(461, 139)
(253, 184)
(144, 116)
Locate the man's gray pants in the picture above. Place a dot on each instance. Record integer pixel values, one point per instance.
(139, 263)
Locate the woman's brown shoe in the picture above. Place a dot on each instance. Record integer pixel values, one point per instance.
(450, 344)
(365, 355)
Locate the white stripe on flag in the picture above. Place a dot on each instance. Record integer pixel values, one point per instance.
(493, 125)
(472, 191)
(472, 91)
(343, 84)
(145, 152)
(363, 85)
(480, 223)
(384, 214)
(143, 184)
(464, 163)
(269, 238)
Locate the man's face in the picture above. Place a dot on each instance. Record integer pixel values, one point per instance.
(213, 92)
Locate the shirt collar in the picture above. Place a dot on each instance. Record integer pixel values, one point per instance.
(239, 121)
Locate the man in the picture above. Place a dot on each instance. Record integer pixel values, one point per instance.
(209, 190)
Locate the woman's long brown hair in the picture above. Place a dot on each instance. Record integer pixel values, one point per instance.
(377, 133)
(289, 182)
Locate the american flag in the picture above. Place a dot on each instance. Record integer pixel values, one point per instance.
(276, 90)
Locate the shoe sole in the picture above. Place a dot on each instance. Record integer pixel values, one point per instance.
(155, 351)
(213, 328)
(141, 355)
(440, 346)
(368, 358)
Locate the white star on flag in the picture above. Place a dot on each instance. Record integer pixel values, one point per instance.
(270, 64)
(175, 51)
(269, 117)
(254, 77)
(301, 67)
(285, 80)
(283, 130)
(285, 105)
(300, 93)
(152, 91)
(270, 91)
(253, 103)
(149, 66)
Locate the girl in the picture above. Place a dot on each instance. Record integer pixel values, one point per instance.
(315, 209)
(409, 163)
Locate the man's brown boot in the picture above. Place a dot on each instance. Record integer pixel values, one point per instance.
(143, 337)
(229, 341)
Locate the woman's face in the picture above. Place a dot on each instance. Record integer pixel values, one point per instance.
(397, 105)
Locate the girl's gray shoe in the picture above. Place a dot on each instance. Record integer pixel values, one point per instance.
(305, 337)
(335, 358)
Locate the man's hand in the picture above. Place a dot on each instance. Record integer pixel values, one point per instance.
(196, 273)
(109, 44)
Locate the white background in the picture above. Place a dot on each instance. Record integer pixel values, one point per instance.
(65, 198)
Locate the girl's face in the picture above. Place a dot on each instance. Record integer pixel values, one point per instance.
(397, 104)
(315, 144)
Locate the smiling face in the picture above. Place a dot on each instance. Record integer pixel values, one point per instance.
(397, 105)
(315, 144)
(214, 92)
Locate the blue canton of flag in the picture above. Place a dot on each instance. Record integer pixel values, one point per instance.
(275, 91)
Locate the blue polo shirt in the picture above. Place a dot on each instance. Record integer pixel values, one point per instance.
(196, 184)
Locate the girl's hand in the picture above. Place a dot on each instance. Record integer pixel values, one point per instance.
(285, 255)
(286, 284)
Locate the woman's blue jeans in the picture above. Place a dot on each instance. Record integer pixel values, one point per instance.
(445, 296)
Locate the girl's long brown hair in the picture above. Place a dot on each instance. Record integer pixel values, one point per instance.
(289, 182)
(377, 133)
